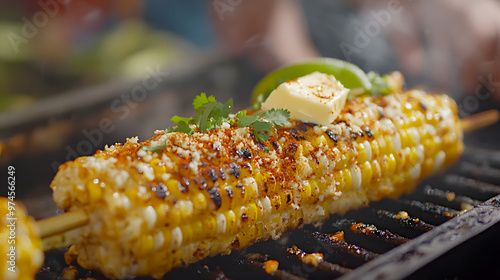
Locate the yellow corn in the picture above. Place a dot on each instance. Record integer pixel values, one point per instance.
(21, 255)
(210, 193)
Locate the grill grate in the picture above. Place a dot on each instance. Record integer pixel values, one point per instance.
(392, 239)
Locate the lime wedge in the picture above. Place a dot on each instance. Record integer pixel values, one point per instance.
(350, 75)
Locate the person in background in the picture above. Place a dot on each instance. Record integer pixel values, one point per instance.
(449, 45)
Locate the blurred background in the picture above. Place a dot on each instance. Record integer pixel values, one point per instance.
(76, 75)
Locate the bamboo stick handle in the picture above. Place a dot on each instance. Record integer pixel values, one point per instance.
(62, 223)
(480, 120)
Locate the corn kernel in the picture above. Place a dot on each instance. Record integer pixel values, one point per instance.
(251, 213)
(389, 144)
(412, 158)
(145, 246)
(176, 238)
(173, 188)
(275, 203)
(382, 147)
(347, 180)
(362, 157)
(377, 172)
(210, 226)
(94, 190)
(221, 223)
(174, 216)
(375, 149)
(306, 192)
(197, 228)
(231, 225)
(390, 164)
(158, 167)
(199, 201)
(187, 234)
(343, 159)
(366, 173)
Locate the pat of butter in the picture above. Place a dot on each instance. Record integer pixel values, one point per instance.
(316, 98)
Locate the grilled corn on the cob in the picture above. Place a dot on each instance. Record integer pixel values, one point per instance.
(210, 193)
(21, 255)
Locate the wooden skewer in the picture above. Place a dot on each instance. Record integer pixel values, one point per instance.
(72, 220)
(62, 223)
(480, 120)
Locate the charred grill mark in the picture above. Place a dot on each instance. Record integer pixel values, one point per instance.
(275, 145)
(229, 192)
(234, 170)
(244, 153)
(213, 176)
(302, 127)
(368, 132)
(215, 196)
(295, 134)
(222, 174)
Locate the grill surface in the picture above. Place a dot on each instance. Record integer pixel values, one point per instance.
(428, 233)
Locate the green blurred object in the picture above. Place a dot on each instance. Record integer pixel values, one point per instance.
(350, 75)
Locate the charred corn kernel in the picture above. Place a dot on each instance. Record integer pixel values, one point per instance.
(28, 254)
(219, 191)
(94, 190)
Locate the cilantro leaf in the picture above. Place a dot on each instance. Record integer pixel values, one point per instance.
(260, 136)
(245, 120)
(262, 123)
(202, 99)
(177, 119)
(155, 149)
(277, 117)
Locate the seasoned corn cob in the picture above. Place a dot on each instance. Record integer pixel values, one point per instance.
(210, 193)
(21, 255)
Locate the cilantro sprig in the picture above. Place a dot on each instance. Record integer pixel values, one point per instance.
(262, 122)
(210, 114)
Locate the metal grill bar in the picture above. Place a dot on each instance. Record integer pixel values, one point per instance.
(471, 187)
